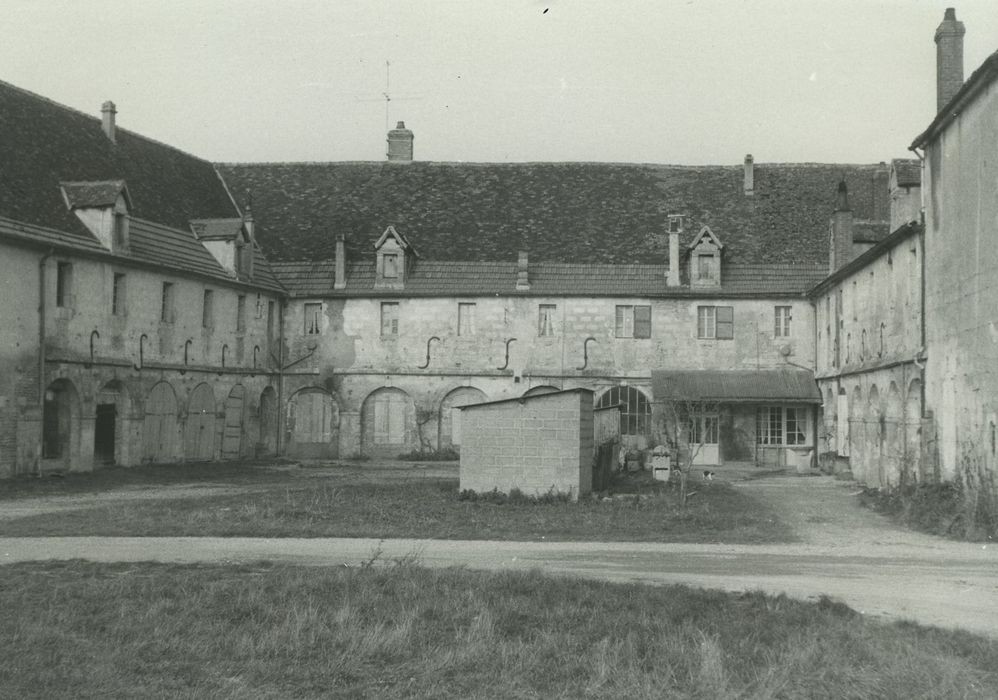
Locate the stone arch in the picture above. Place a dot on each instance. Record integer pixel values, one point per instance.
(874, 438)
(267, 420)
(199, 431)
(893, 436)
(450, 415)
(159, 426)
(635, 409)
(313, 424)
(112, 419)
(913, 431)
(857, 455)
(60, 426)
(540, 389)
(388, 423)
(829, 420)
(232, 428)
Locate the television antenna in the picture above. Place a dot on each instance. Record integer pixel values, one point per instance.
(386, 96)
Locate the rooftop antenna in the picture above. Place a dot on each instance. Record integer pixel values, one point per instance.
(388, 83)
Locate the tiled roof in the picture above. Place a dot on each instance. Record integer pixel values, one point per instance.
(453, 278)
(908, 172)
(558, 212)
(216, 229)
(774, 385)
(43, 143)
(92, 194)
(910, 229)
(985, 74)
(149, 243)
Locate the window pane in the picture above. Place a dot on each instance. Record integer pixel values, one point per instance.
(389, 318)
(545, 319)
(465, 319)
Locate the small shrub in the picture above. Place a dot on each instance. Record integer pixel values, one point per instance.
(515, 497)
(943, 509)
(358, 457)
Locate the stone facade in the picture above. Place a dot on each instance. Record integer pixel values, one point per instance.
(538, 444)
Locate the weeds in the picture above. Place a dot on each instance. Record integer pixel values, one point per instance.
(515, 497)
(444, 455)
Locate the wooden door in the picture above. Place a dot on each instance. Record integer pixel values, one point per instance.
(199, 438)
(232, 431)
(159, 434)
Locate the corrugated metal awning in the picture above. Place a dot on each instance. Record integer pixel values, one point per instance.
(736, 386)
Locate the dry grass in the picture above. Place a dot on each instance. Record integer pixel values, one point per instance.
(353, 504)
(399, 631)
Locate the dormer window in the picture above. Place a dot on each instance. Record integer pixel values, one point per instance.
(394, 259)
(102, 206)
(705, 259)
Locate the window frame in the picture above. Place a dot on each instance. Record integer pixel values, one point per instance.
(63, 284)
(392, 319)
(240, 313)
(466, 318)
(119, 294)
(782, 426)
(545, 320)
(312, 311)
(167, 304)
(208, 309)
(632, 321)
(715, 322)
(635, 408)
(782, 316)
(393, 259)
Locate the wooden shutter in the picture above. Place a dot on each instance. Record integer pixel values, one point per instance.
(725, 322)
(642, 322)
(381, 419)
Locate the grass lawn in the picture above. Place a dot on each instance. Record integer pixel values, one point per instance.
(74, 629)
(355, 503)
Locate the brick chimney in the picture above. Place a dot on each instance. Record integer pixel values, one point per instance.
(522, 276)
(340, 271)
(400, 144)
(840, 246)
(672, 278)
(749, 175)
(949, 58)
(107, 112)
(881, 193)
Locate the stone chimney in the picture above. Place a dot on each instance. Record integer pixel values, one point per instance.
(749, 175)
(949, 58)
(522, 277)
(340, 272)
(841, 235)
(881, 193)
(107, 112)
(400, 144)
(672, 278)
(248, 222)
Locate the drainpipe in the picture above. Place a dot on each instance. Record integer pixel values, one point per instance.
(41, 349)
(280, 377)
(921, 302)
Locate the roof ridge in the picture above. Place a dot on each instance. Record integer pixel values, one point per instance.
(80, 112)
(645, 164)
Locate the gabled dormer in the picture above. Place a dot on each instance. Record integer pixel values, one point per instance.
(230, 241)
(395, 256)
(705, 259)
(102, 206)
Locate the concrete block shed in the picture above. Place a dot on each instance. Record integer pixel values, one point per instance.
(537, 444)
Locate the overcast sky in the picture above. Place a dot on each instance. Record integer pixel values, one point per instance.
(665, 81)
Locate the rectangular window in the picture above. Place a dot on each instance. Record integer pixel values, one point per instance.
(545, 319)
(313, 319)
(64, 284)
(389, 318)
(118, 294)
(465, 319)
(120, 224)
(208, 309)
(706, 322)
(633, 322)
(704, 428)
(391, 265)
(781, 322)
(270, 321)
(778, 425)
(705, 268)
(240, 313)
(166, 314)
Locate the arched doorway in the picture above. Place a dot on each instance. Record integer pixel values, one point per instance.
(199, 436)
(109, 420)
(388, 419)
(312, 425)
(159, 428)
(450, 415)
(60, 425)
(635, 417)
(232, 432)
(874, 440)
(268, 422)
(893, 454)
(857, 464)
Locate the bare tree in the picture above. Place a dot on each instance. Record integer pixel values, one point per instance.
(684, 427)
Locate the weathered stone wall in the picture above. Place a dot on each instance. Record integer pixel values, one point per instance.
(538, 444)
(961, 211)
(113, 373)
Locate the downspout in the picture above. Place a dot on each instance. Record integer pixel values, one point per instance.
(41, 350)
(280, 377)
(921, 262)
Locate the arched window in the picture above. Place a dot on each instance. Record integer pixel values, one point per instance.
(635, 409)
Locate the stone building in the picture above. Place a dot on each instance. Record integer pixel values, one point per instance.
(140, 320)
(432, 285)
